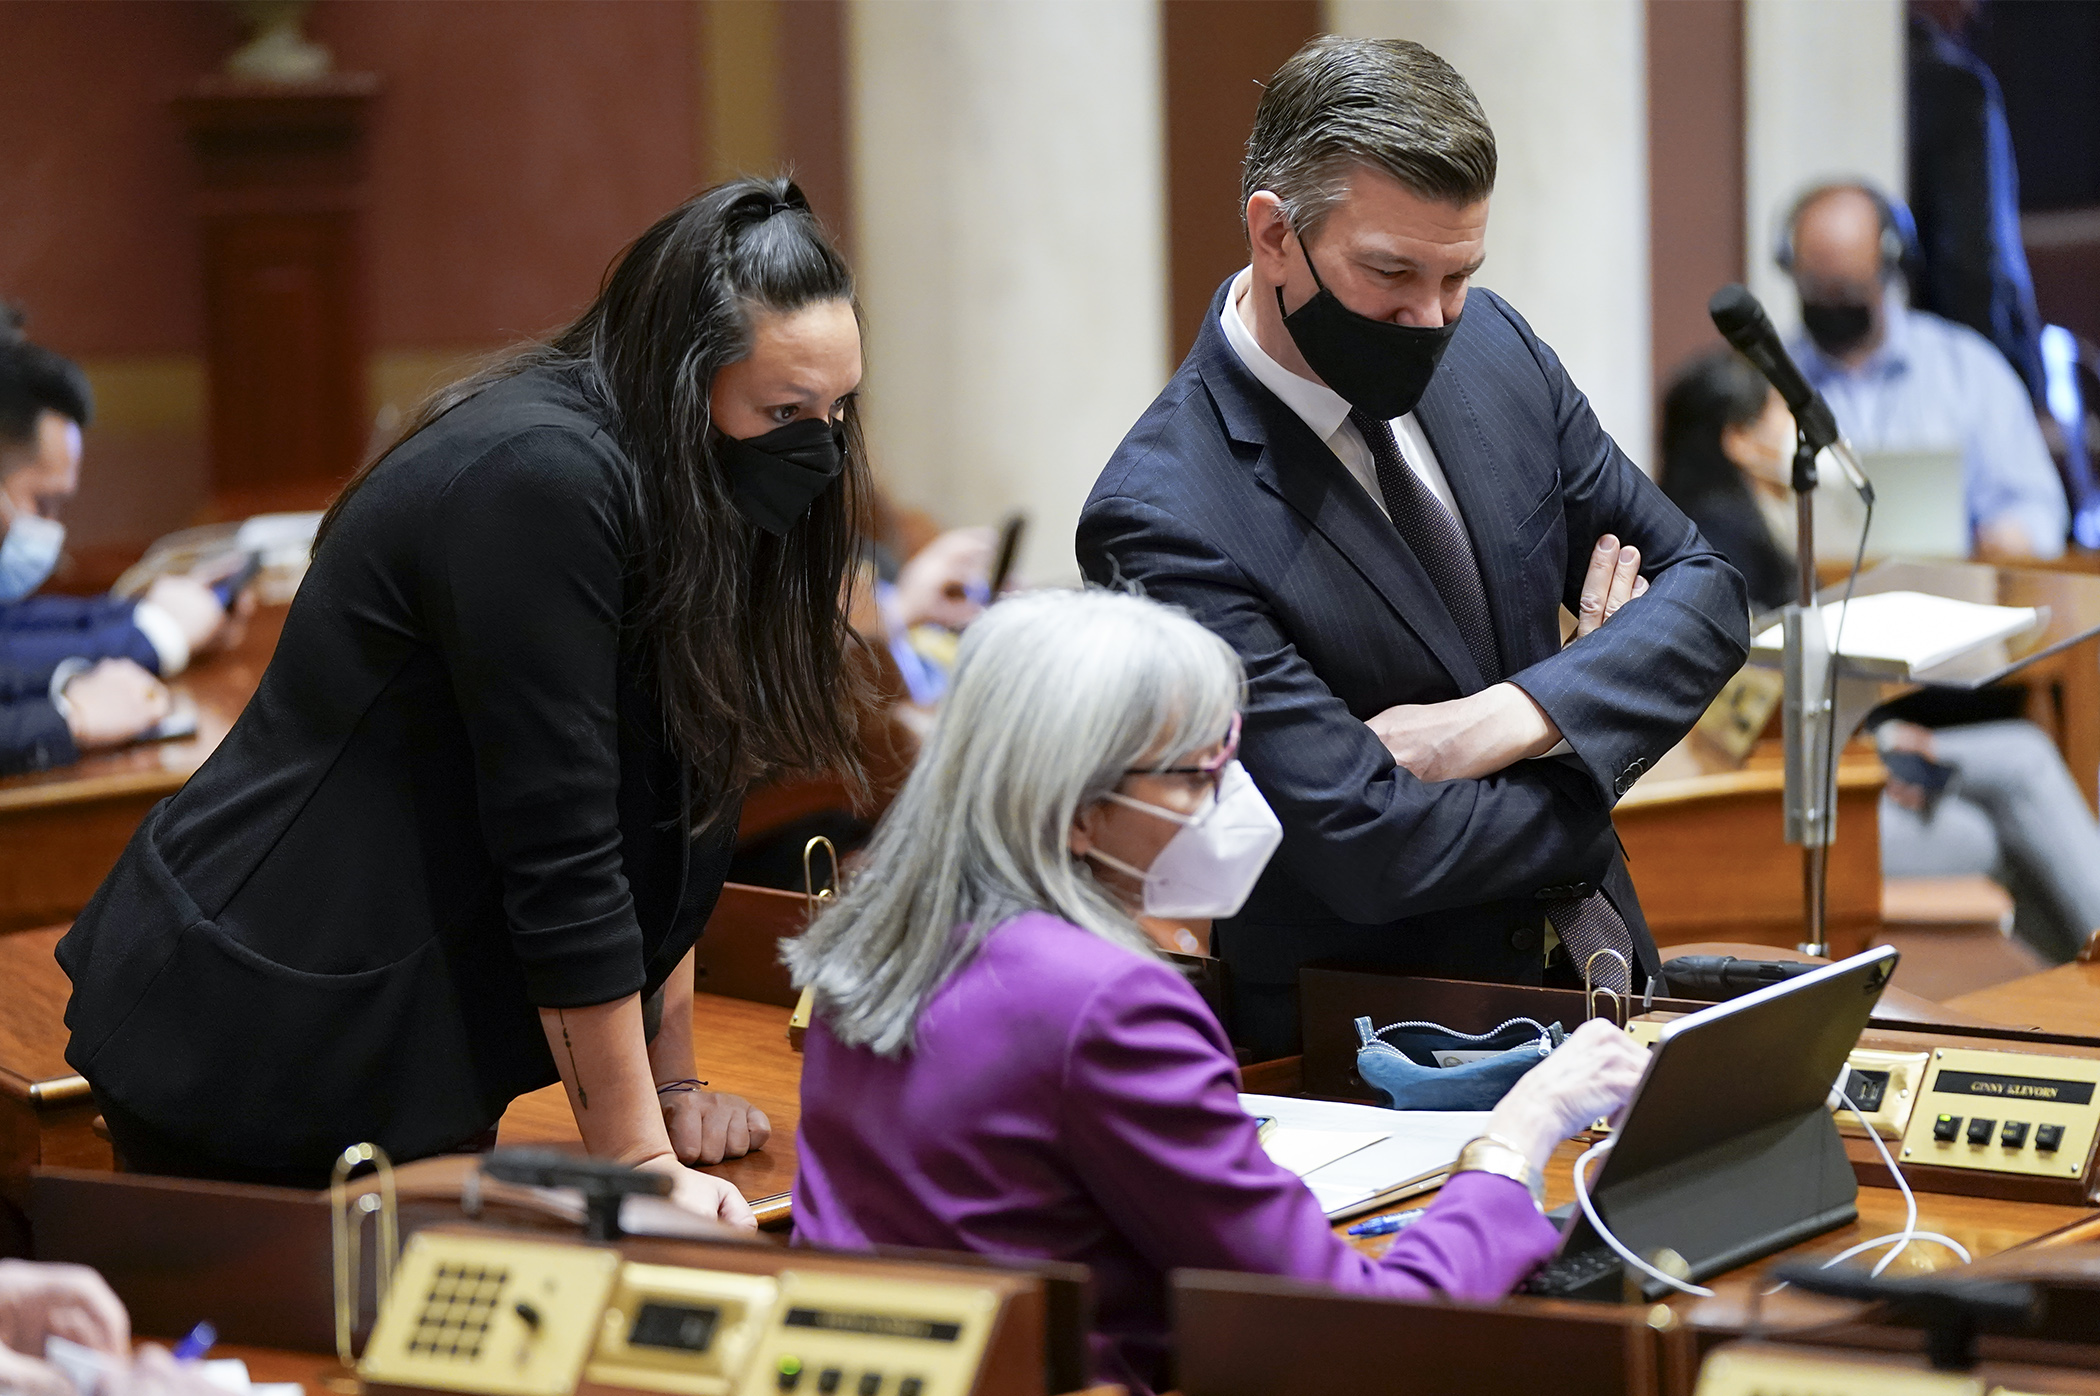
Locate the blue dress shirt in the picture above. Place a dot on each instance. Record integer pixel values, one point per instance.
(1933, 385)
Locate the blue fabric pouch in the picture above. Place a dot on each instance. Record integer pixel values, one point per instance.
(1426, 1066)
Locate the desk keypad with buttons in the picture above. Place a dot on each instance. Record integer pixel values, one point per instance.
(486, 1313)
(2006, 1112)
(489, 1315)
(837, 1336)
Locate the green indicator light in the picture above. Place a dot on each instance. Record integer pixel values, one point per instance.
(789, 1366)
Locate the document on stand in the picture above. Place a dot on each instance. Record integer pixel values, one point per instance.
(1913, 628)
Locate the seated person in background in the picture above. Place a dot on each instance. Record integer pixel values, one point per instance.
(47, 718)
(2011, 810)
(75, 672)
(38, 1302)
(913, 612)
(44, 404)
(1902, 379)
(1001, 1061)
(943, 582)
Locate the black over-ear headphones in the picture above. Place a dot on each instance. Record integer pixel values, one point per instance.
(1899, 231)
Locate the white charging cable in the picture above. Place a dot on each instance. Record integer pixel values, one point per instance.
(1589, 1210)
(1897, 1241)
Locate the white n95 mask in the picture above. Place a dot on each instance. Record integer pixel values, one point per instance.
(1210, 866)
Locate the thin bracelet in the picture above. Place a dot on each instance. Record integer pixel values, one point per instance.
(687, 1084)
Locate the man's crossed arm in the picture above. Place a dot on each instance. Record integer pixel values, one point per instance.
(1467, 738)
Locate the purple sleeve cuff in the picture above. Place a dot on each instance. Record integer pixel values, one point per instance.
(1481, 1236)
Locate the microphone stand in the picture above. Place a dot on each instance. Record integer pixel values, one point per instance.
(1814, 694)
(1811, 805)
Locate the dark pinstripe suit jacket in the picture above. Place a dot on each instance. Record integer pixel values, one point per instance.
(1222, 501)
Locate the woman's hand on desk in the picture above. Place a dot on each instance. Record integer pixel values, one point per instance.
(709, 1126)
(703, 1194)
(1591, 1075)
(71, 1301)
(112, 703)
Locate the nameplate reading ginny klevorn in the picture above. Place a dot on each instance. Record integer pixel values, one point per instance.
(2014, 1087)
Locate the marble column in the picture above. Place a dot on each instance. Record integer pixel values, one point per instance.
(1009, 215)
(1824, 96)
(1564, 84)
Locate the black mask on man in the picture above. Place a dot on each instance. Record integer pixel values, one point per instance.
(774, 478)
(1837, 327)
(1378, 367)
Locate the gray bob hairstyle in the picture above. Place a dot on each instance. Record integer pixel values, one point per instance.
(1056, 696)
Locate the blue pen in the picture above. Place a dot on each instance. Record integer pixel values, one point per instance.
(1385, 1226)
(198, 1342)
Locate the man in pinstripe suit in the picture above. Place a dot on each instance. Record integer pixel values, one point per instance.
(1381, 489)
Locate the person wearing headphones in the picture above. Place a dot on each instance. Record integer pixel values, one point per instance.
(2009, 808)
(1901, 379)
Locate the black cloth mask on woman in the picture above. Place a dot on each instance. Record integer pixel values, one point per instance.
(1837, 327)
(774, 478)
(1377, 366)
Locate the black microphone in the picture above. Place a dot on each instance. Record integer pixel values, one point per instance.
(1744, 324)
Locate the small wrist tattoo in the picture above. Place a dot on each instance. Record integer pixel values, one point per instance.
(583, 1099)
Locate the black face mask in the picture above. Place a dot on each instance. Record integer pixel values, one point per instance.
(1379, 367)
(1837, 327)
(776, 477)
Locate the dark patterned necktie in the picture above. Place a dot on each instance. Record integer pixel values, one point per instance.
(1437, 541)
(1586, 925)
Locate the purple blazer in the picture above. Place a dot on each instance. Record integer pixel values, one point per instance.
(1072, 1100)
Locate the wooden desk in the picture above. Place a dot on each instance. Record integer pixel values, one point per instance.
(1985, 1225)
(47, 1114)
(743, 1048)
(1710, 860)
(2063, 699)
(61, 830)
(2064, 999)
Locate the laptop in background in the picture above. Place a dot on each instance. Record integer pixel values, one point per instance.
(1920, 508)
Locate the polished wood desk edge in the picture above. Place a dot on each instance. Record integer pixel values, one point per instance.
(48, 1093)
(1753, 780)
(82, 790)
(314, 1370)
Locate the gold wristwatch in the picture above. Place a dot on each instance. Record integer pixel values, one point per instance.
(1487, 1154)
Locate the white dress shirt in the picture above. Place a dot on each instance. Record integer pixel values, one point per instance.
(1327, 413)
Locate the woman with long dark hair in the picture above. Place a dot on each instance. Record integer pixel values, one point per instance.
(463, 838)
(1728, 447)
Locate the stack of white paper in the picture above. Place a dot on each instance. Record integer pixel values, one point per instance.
(1912, 627)
(1412, 1151)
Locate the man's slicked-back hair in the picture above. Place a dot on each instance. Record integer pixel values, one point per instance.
(1388, 104)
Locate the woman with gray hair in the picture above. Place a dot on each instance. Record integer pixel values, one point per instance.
(1001, 1061)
